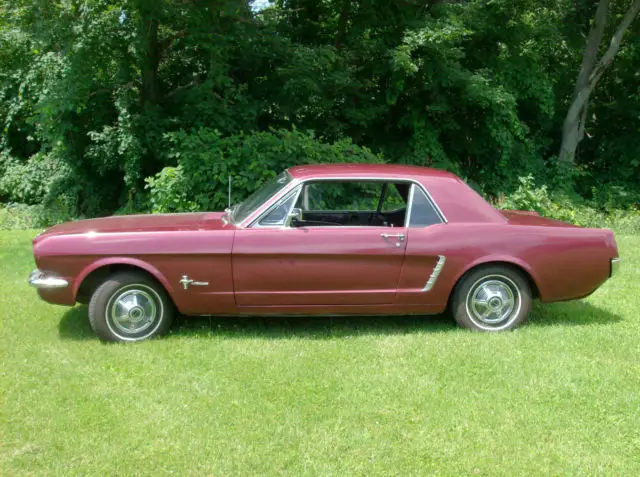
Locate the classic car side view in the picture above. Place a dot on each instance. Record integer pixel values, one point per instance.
(324, 239)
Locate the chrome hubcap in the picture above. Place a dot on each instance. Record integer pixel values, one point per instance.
(493, 301)
(133, 310)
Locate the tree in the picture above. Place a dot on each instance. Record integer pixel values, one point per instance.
(591, 70)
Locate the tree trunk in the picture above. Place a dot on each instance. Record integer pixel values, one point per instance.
(149, 91)
(594, 39)
(149, 88)
(590, 73)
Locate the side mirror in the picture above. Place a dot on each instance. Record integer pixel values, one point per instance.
(294, 214)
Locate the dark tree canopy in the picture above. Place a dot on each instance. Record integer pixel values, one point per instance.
(97, 97)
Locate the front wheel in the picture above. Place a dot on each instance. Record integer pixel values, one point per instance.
(492, 298)
(130, 306)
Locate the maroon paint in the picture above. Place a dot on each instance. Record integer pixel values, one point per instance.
(329, 270)
(316, 266)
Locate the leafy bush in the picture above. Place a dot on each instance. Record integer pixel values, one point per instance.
(20, 216)
(561, 206)
(205, 160)
(28, 182)
(528, 197)
(170, 191)
(16, 216)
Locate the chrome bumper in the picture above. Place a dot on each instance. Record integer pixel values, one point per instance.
(615, 266)
(39, 279)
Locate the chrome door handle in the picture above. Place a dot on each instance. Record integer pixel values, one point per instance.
(398, 236)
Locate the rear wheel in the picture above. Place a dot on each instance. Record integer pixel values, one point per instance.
(130, 306)
(492, 298)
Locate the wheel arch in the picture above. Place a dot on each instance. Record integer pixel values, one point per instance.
(91, 277)
(517, 265)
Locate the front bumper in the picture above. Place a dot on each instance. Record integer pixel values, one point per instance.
(615, 266)
(42, 280)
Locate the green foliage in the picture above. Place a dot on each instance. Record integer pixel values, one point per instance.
(29, 182)
(528, 197)
(20, 217)
(206, 159)
(16, 216)
(169, 191)
(96, 96)
(573, 209)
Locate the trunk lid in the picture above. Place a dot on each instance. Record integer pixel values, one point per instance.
(525, 217)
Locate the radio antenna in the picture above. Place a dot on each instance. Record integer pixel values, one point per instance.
(229, 201)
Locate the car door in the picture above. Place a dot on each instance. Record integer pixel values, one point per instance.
(309, 265)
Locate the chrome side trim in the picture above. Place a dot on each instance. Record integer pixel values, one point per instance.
(435, 273)
(615, 266)
(39, 279)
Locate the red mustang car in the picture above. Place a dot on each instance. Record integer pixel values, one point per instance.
(324, 239)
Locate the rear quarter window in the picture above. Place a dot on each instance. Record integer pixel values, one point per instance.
(423, 213)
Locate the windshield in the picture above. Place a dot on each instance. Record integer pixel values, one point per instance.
(244, 209)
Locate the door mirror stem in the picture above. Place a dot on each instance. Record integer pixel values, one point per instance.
(294, 214)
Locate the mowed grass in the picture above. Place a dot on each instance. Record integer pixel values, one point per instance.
(321, 396)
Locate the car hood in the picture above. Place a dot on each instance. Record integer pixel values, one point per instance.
(141, 223)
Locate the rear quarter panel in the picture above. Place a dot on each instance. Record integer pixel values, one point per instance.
(564, 262)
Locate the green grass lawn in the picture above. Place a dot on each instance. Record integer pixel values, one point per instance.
(321, 396)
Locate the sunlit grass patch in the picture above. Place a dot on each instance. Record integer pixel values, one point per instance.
(321, 396)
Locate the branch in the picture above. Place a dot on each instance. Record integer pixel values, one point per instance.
(591, 49)
(614, 46)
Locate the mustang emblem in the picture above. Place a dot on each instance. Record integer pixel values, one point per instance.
(186, 282)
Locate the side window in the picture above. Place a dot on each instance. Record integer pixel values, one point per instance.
(392, 201)
(278, 214)
(341, 196)
(422, 211)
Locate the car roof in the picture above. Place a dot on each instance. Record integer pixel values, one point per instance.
(457, 201)
(317, 171)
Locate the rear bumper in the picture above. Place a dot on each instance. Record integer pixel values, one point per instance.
(615, 266)
(42, 280)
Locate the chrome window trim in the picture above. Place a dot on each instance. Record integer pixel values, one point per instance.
(258, 215)
(39, 279)
(334, 227)
(432, 203)
(268, 203)
(278, 203)
(407, 217)
(435, 273)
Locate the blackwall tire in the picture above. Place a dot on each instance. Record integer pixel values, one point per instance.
(130, 306)
(492, 298)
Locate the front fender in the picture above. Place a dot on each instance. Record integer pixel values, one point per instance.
(110, 261)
